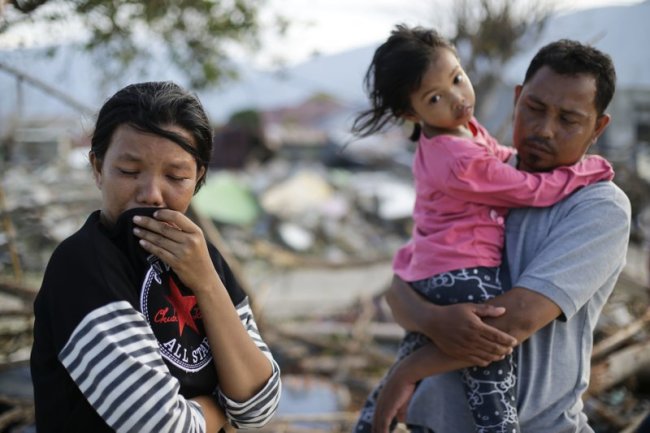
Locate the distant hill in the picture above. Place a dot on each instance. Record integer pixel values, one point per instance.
(339, 75)
(76, 72)
(621, 31)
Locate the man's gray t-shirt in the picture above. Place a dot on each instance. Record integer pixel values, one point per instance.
(571, 253)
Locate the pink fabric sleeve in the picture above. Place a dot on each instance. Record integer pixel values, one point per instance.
(486, 180)
(503, 153)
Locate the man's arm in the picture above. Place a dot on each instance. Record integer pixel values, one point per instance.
(527, 312)
(458, 330)
(584, 248)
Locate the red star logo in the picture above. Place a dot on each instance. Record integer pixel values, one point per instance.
(183, 306)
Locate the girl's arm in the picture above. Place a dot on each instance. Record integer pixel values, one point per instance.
(245, 368)
(489, 181)
(460, 168)
(400, 384)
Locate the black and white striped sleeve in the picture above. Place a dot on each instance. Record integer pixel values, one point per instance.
(114, 359)
(259, 409)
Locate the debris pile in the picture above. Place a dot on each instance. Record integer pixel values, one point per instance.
(309, 214)
(292, 218)
(355, 348)
(43, 207)
(16, 324)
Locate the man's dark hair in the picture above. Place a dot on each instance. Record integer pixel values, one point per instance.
(395, 72)
(567, 57)
(153, 107)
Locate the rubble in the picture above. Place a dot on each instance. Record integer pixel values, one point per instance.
(312, 246)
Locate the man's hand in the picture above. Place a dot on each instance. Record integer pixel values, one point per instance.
(457, 330)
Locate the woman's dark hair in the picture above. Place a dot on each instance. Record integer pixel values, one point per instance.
(567, 57)
(395, 72)
(153, 107)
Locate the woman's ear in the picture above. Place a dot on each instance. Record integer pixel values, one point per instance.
(96, 165)
(199, 177)
(201, 174)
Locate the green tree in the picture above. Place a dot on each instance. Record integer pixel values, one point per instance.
(196, 34)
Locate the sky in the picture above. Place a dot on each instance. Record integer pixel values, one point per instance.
(331, 26)
(321, 27)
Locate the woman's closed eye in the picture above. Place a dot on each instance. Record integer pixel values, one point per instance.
(177, 178)
(128, 172)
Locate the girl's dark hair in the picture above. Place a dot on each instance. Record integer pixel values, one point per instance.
(568, 57)
(153, 107)
(395, 72)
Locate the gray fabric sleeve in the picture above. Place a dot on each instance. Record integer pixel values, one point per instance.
(583, 250)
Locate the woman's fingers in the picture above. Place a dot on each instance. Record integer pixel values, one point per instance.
(176, 220)
(161, 228)
(163, 254)
(165, 238)
(161, 242)
(177, 241)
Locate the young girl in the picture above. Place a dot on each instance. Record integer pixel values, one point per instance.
(464, 186)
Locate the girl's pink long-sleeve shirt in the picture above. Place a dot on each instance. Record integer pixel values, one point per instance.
(464, 188)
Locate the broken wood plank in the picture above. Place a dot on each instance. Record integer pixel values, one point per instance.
(21, 290)
(619, 366)
(613, 342)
